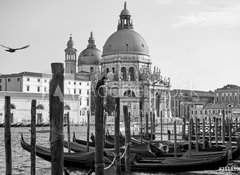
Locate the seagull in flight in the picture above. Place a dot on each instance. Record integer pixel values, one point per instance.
(11, 50)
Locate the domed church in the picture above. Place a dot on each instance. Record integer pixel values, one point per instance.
(126, 56)
(126, 62)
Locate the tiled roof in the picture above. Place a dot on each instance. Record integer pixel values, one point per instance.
(45, 96)
(192, 93)
(36, 74)
(229, 86)
(221, 106)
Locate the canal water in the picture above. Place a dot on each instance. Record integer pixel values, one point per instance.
(21, 158)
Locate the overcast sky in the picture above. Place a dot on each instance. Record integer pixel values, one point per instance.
(194, 42)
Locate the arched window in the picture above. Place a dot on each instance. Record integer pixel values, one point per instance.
(107, 70)
(40, 106)
(124, 73)
(13, 106)
(131, 73)
(129, 93)
(67, 107)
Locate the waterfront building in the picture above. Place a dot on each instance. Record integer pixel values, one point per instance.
(25, 86)
(227, 94)
(186, 103)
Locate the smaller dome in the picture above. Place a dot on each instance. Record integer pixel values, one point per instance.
(70, 42)
(125, 10)
(91, 55)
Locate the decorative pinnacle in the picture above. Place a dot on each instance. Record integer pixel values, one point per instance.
(125, 5)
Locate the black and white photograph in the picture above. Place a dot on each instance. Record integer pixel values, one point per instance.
(120, 87)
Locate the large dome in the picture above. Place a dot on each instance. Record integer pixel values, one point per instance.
(125, 41)
(91, 55)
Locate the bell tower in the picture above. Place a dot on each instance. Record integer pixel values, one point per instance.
(70, 57)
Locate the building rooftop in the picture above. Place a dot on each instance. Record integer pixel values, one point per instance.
(229, 87)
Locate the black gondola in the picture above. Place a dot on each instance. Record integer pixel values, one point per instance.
(76, 160)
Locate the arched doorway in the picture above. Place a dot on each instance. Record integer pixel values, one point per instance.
(39, 108)
(66, 110)
(13, 107)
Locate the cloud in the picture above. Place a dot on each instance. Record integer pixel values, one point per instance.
(225, 16)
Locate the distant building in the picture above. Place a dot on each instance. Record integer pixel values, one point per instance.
(227, 94)
(184, 103)
(25, 86)
(226, 101)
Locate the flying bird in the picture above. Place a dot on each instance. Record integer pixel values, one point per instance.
(9, 49)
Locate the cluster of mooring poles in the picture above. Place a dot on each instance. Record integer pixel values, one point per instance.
(56, 104)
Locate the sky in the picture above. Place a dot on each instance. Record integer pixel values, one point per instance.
(194, 42)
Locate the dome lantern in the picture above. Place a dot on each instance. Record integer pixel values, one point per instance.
(125, 19)
(125, 40)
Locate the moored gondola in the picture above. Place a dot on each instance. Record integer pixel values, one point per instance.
(107, 144)
(76, 160)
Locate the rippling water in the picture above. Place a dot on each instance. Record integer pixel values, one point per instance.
(21, 158)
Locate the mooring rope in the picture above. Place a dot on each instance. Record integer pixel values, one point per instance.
(125, 151)
(57, 137)
(114, 160)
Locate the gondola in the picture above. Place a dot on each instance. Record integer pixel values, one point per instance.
(107, 144)
(176, 164)
(75, 160)
(144, 149)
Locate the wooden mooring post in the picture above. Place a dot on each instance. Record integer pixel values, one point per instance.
(33, 137)
(161, 119)
(99, 128)
(210, 132)
(141, 129)
(68, 131)
(127, 140)
(216, 131)
(88, 129)
(175, 138)
(189, 137)
(184, 128)
(151, 120)
(196, 133)
(146, 128)
(117, 133)
(203, 133)
(56, 97)
(7, 136)
(223, 126)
